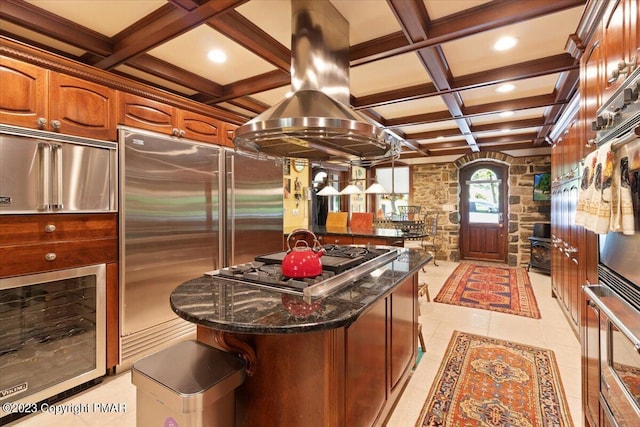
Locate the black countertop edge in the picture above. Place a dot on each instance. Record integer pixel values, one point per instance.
(241, 307)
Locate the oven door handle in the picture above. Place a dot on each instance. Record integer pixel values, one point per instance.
(610, 313)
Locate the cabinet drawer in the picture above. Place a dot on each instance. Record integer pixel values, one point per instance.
(26, 259)
(25, 229)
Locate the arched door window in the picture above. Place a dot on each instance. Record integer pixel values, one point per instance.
(483, 190)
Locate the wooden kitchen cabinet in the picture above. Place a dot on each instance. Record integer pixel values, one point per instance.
(37, 243)
(37, 98)
(227, 135)
(143, 113)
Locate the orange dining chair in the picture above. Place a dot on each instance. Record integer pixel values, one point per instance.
(361, 220)
(337, 219)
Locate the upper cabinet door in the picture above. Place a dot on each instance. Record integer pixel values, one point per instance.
(81, 108)
(199, 127)
(227, 137)
(143, 113)
(36, 98)
(23, 94)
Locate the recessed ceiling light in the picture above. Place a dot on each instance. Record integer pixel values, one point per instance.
(505, 43)
(217, 56)
(506, 114)
(507, 87)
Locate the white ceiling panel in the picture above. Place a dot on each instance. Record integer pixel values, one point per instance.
(537, 38)
(410, 108)
(272, 16)
(543, 85)
(368, 19)
(387, 74)
(190, 51)
(529, 113)
(106, 17)
(441, 8)
(429, 127)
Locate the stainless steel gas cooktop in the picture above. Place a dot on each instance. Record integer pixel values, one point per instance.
(341, 265)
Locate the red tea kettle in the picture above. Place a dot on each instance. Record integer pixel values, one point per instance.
(301, 261)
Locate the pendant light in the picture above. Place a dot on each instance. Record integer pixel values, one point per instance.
(328, 190)
(351, 189)
(376, 188)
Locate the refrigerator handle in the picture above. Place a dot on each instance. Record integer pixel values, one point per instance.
(231, 219)
(57, 177)
(44, 165)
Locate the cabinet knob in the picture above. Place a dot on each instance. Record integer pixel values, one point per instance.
(42, 122)
(55, 124)
(51, 256)
(181, 133)
(50, 228)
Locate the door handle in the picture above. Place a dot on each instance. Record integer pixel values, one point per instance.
(57, 175)
(44, 194)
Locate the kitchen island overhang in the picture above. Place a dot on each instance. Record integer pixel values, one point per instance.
(345, 363)
(233, 306)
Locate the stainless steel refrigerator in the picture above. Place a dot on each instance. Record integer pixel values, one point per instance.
(186, 208)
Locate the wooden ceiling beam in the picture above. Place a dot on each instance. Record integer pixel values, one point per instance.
(516, 124)
(39, 20)
(485, 17)
(439, 116)
(239, 29)
(179, 76)
(414, 21)
(168, 27)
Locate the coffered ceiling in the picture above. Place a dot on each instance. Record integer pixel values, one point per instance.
(425, 69)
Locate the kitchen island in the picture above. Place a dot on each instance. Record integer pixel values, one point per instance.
(341, 360)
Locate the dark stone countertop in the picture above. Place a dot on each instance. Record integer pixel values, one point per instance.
(232, 306)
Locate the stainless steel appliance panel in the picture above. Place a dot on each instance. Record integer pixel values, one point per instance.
(40, 174)
(169, 222)
(254, 207)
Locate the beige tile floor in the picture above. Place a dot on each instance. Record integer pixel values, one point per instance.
(439, 321)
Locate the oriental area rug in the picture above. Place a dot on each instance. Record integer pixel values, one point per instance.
(503, 289)
(487, 382)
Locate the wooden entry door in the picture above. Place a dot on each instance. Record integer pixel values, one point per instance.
(483, 211)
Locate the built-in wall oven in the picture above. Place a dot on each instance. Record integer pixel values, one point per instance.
(612, 321)
(52, 335)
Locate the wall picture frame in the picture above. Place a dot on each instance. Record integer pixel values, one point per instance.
(542, 186)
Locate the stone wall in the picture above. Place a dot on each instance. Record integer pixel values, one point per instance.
(436, 186)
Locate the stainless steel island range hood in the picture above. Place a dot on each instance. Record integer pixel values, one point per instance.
(316, 122)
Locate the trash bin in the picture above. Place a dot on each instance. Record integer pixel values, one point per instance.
(189, 384)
